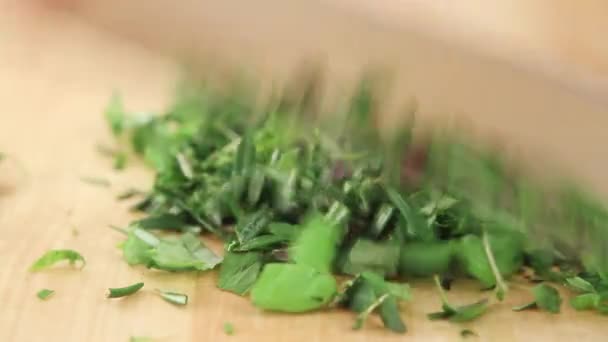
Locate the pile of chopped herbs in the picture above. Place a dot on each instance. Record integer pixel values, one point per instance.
(299, 197)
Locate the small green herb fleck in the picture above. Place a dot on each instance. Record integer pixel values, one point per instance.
(467, 333)
(546, 298)
(140, 339)
(54, 256)
(292, 288)
(124, 291)
(463, 313)
(228, 329)
(362, 317)
(173, 297)
(45, 293)
(239, 271)
(96, 181)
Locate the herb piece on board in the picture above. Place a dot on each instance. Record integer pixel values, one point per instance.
(292, 288)
(369, 293)
(317, 243)
(423, 259)
(546, 298)
(173, 297)
(506, 251)
(415, 225)
(228, 329)
(587, 298)
(96, 181)
(162, 222)
(140, 339)
(367, 255)
(252, 225)
(45, 294)
(464, 333)
(119, 292)
(56, 255)
(239, 271)
(452, 313)
(186, 253)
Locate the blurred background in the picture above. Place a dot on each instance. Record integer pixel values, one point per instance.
(532, 73)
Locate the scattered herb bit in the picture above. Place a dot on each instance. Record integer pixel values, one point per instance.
(129, 193)
(588, 297)
(228, 329)
(369, 292)
(186, 253)
(54, 256)
(45, 294)
(467, 333)
(124, 291)
(292, 288)
(120, 160)
(239, 271)
(362, 316)
(162, 222)
(140, 339)
(316, 245)
(96, 181)
(423, 259)
(546, 298)
(173, 297)
(463, 313)
(379, 257)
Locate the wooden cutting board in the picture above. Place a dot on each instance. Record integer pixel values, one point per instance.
(56, 75)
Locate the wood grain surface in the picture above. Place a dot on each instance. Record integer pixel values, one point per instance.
(56, 75)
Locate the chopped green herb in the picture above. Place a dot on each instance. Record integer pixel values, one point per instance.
(587, 301)
(362, 317)
(45, 294)
(379, 257)
(173, 297)
(423, 259)
(124, 291)
(292, 288)
(129, 193)
(467, 333)
(97, 181)
(186, 253)
(317, 243)
(140, 339)
(56, 255)
(239, 271)
(228, 329)
(463, 313)
(294, 202)
(546, 298)
(580, 285)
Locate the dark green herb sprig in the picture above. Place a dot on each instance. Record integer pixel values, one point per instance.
(295, 202)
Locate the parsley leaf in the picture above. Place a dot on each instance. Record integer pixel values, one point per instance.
(45, 294)
(367, 255)
(124, 291)
(173, 297)
(292, 288)
(317, 243)
(239, 271)
(186, 253)
(54, 256)
(463, 313)
(423, 259)
(228, 329)
(546, 298)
